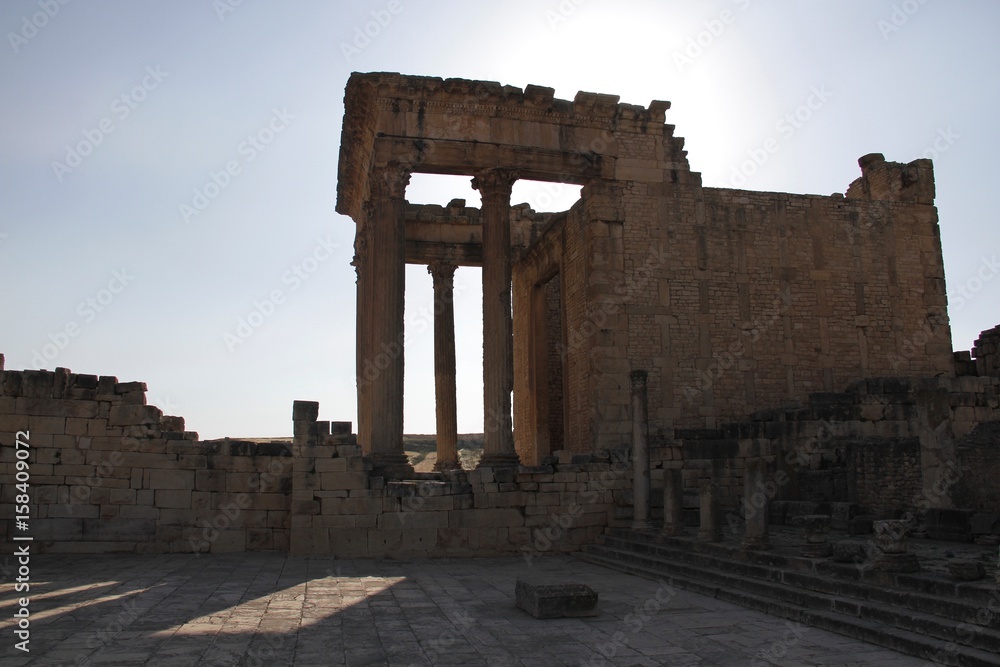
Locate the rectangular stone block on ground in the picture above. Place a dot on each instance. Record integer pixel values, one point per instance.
(555, 600)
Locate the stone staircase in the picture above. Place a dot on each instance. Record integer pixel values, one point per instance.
(924, 614)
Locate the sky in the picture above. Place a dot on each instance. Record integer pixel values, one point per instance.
(168, 170)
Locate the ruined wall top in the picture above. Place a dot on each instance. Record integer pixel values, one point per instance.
(458, 126)
(893, 181)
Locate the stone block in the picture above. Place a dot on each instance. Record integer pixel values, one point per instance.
(129, 415)
(555, 600)
(949, 524)
(985, 524)
(348, 481)
(968, 570)
(171, 479)
(173, 499)
(117, 530)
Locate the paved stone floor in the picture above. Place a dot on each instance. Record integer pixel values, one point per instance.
(268, 609)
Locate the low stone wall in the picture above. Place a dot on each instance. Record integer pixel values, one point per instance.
(339, 509)
(109, 473)
(987, 352)
(888, 444)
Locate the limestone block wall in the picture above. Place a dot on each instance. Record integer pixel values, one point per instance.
(339, 510)
(900, 445)
(987, 352)
(109, 473)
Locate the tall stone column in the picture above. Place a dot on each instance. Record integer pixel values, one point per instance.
(443, 274)
(640, 452)
(384, 271)
(498, 340)
(673, 502)
(755, 505)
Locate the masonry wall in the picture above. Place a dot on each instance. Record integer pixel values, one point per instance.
(339, 509)
(900, 445)
(109, 473)
(736, 301)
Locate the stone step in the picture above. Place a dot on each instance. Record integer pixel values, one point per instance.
(768, 598)
(930, 619)
(956, 605)
(895, 588)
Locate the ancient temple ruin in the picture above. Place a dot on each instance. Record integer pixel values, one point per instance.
(733, 301)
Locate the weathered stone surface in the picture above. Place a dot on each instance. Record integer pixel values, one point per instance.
(968, 570)
(555, 600)
(949, 524)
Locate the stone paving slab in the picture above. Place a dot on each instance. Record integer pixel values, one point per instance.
(269, 609)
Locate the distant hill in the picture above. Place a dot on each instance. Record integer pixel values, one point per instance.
(422, 450)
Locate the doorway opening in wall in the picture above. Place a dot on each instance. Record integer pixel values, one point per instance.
(546, 376)
(419, 401)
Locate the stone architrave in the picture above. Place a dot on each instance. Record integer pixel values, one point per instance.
(673, 502)
(755, 507)
(640, 452)
(381, 279)
(494, 186)
(443, 274)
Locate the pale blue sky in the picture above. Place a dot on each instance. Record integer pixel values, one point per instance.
(884, 76)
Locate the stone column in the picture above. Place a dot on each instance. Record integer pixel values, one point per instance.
(640, 452)
(755, 506)
(444, 365)
(708, 496)
(384, 269)
(498, 340)
(673, 502)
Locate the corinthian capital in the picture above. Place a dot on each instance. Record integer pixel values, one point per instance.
(442, 272)
(495, 183)
(389, 181)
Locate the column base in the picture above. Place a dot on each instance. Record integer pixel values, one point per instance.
(756, 544)
(709, 535)
(675, 530)
(499, 461)
(391, 466)
(447, 465)
(642, 525)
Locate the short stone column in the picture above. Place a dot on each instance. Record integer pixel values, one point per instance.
(640, 452)
(443, 274)
(890, 541)
(383, 273)
(498, 338)
(755, 505)
(817, 529)
(673, 502)
(708, 496)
